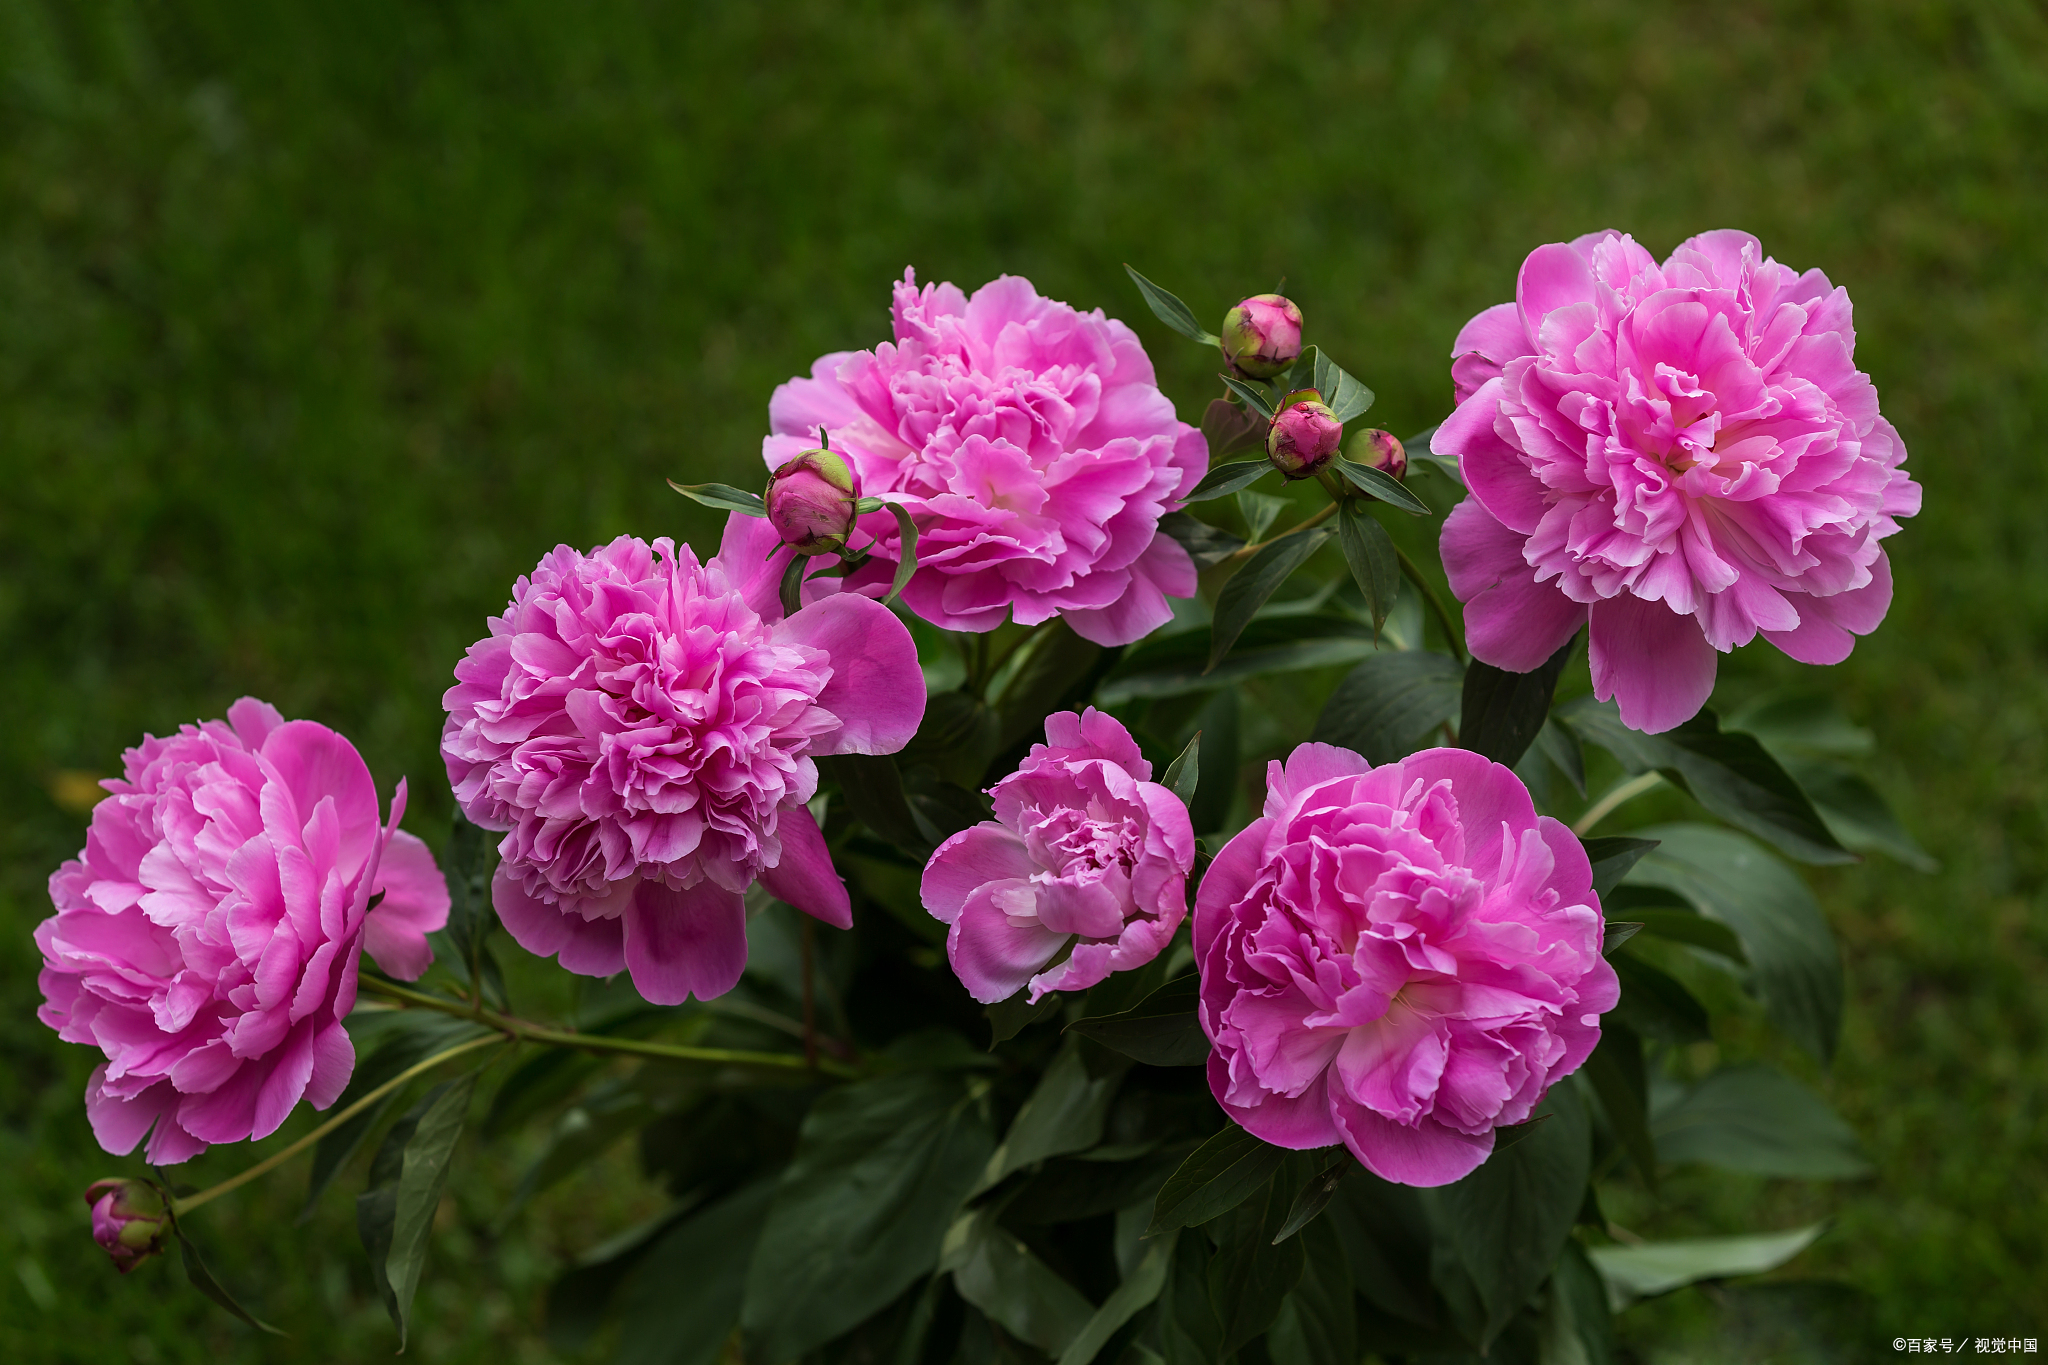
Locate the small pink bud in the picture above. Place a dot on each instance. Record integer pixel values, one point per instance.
(1304, 436)
(129, 1220)
(1381, 450)
(810, 502)
(1262, 335)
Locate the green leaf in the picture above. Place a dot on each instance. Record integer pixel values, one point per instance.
(395, 1215)
(1678, 923)
(1656, 1003)
(1805, 724)
(1217, 791)
(997, 1273)
(1612, 858)
(906, 550)
(1260, 511)
(722, 496)
(1230, 427)
(1318, 1191)
(1731, 774)
(1370, 555)
(881, 1168)
(1008, 1018)
(1617, 933)
(1170, 310)
(1175, 665)
(1207, 545)
(1251, 397)
(1565, 753)
(1253, 1269)
(1388, 1243)
(1344, 395)
(1794, 965)
(1058, 673)
(1375, 484)
(1228, 478)
(579, 1297)
(1622, 1082)
(1652, 1268)
(1855, 813)
(683, 1297)
(1185, 773)
(1755, 1118)
(1253, 585)
(1133, 1296)
(582, 1134)
(1218, 1176)
(1501, 712)
(1318, 1322)
(791, 589)
(1063, 1114)
(1576, 1327)
(1189, 1333)
(1160, 1030)
(1509, 1219)
(1385, 705)
(203, 1281)
(873, 788)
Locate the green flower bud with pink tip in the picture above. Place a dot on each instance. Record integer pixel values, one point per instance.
(129, 1220)
(811, 502)
(1380, 450)
(1262, 335)
(1304, 436)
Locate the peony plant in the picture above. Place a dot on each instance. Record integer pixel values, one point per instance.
(1229, 949)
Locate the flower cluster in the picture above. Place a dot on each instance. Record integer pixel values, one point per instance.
(1683, 455)
(1032, 449)
(206, 939)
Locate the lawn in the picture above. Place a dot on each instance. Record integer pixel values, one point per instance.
(320, 323)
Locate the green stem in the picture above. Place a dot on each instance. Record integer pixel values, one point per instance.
(526, 1032)
(272, 1162)
(1601, 809)
(1304, 524)
(1436, 604)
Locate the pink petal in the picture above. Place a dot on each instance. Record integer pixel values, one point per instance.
(415, 904)
(1298, 1124)
(1553, 276)
(595, 947)
(1163, 571)
(1511, 620)
(685, 943)
(1828, 626)
(993, 957)
(1655, 663)
(1495, 471)
(120, 1123)
(1426, 1155)
(316, 762)
(805, 877)
(877, 688)
(334, 1061)
(534, 924)
(966, 862)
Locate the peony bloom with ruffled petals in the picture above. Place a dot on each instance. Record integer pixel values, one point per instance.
(207, 938)
(644, 727)
(1401, 959)
(1683, 455)
(1032, 448)
(1085, 850)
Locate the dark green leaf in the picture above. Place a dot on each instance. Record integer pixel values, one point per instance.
(1854, 811)
(1318, 1323)
(1170, 310)
(580, 1136)
(1230, 427)
(396, 1213)
(578, 1298)
(874, 792)
(1509, 1219)
(1387, 703)
(1577, 1325)
(1370, 555)
(1207, 545)
(791, 589)
(1185, 772)
(1189, 1333)
(1612, 858)
(1618, 933)
(1260, 511)
(1731, 774)
(1565, 753)
(1216, 1178)
(1069, 1189)
(1217, 790)
(1318, 1191)
(1755, 1118)
(203, 1281)
(1178, 664)
(906, 550)
(1252, 586)
(1228, 478)
(997, 1273)
(1058, 672)
(1254, 1269)
(684, 1295)
(1387, 1238)
(1162, 1030)
(461, 945)
(1657, 1003)
(1130, 1298)
(724, 497)
(1064, 1114)
(958, 737)
(1807, 725)
(1679, 923)
(1345, 396)
(881, 1168)
(1008, 1018)
(1252, 398)
(1418, 448)
(1500, 712)
(1651, 1268)
(1375, 484)
(1622, 1082)
(1795, 967)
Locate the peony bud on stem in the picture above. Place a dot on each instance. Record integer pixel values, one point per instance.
(129, 1220)
(1304, 436)
(811, 502)
(1380, 450)
(1262, 335)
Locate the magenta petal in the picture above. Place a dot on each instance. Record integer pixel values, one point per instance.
(415, 904)
(595, 947)
(971, 859)
(334, 1061)
(316, 763)
(805, 876)
(1163, 571)
(535, 925)
(1656, 664)
(1828, 626)
(120, 1123)
(1298, 1123)
(1428, 1154)
(1511, 620)
(685, 943)
(1553, 276)
(992, 956)
(877, 688)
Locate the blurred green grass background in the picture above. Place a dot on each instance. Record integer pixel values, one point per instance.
(319, 323)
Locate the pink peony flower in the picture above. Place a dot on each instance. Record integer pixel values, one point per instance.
(1401, 959)
(207, 937)
(1033, 449)
(1084, 849)
(644, 728)
(1684, 454)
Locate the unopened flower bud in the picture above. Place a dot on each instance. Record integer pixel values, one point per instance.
(1380, 450)
(811, 502)
(1262, 335)
(1304, 435)
(129, 1220)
